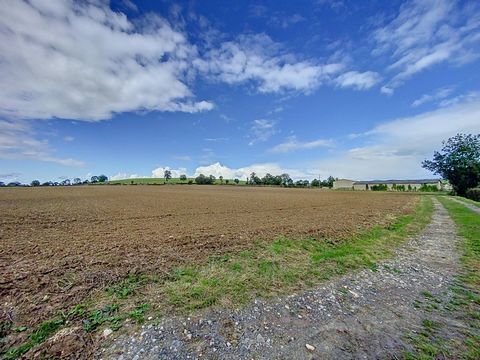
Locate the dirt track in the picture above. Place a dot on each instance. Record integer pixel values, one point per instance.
(57, 245)
(364, 315)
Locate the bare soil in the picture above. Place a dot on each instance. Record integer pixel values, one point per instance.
(58, 245)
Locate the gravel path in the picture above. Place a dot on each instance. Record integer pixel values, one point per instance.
(470, 206)
(362, 315)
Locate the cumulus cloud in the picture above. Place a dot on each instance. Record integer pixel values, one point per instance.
(358, 80)
(259, 60)
(397, 148)
(438, 94)
(426, 33)
(83, 61)
(160, 172)
(19, 141)
(262, 130)
(122, 176)
(261, 170)
(292, 144)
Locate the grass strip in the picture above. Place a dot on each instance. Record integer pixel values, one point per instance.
(467, 295)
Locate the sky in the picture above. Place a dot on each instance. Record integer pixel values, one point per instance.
(353, 89)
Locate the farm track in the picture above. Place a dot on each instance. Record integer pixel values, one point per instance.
(364, 315)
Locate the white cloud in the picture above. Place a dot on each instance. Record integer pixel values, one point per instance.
(471, 96)
(122, 176)
(436, 95)
(216, 139)
(292, 144)
(18, 141)
(160, 171)
(258, 59)
(262, 130)
(261, 170)
(83, 61)
(358, 80)
(68, 138)
(426, 33)
(396, 149)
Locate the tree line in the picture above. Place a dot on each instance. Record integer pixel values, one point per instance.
(66, 182)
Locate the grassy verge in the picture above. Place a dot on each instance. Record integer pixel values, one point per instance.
(268, 269)
(466, 299)
(468, 201)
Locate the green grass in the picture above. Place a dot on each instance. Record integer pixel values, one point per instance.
(468, 223)
(286, 264)
(161, 181)
(467, 293)
(468, 201)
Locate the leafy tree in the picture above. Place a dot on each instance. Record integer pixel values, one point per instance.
(236, 181)
(221, 179)
(14, 183)
(102, 178)
(66, 182)
(77, 181)
(167, 174)
(458, 162)
(2, 184)
(35, 183)
(94, 179)
(227, 181)
(204, 180)
(315, 183)
(286, 180)
(183, 177)
(47, 183)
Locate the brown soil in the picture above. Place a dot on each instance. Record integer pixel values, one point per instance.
(57, 245)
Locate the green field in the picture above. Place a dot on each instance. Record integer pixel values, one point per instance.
(162, 181)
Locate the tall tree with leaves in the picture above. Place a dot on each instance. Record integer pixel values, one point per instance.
(458, 162)
(167, 174)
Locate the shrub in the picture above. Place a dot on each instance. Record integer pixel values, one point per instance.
(428, 188)
(473, 194)
(183, 177)
(379, 187)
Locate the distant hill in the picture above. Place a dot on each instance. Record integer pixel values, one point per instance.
(161, 181)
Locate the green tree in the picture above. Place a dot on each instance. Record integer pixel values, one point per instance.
(167, 174)
(315, 183)
(458, 162)
(94, 179)
(35, 183)
(183, 177)
(102, 178)
(2, 184)
(221, 179)
(77, 181)
(236, 181)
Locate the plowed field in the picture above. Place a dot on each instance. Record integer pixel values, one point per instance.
(57, 245)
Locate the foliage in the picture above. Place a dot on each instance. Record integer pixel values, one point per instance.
(35, 183)
(473, 194)
(77, 181)
(428, 188)
(167, 174)
(236, 181)
(315, 183)
(102, 178)
(183, 177)
(458, 162)
(379, 187)
(204, 180)
(2, 183)
(328, 182)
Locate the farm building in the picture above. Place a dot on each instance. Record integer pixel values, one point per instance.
(344, 184)
(389, 184)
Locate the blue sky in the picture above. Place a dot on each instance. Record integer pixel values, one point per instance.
(360, 90)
